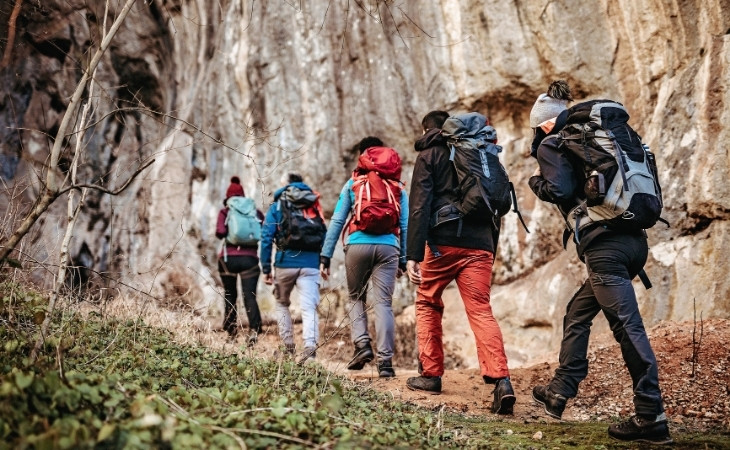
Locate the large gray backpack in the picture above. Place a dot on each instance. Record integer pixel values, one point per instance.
(485, 191)
(622, 189)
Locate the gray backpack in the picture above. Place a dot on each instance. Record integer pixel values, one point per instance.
(622, 189)
(485, 191)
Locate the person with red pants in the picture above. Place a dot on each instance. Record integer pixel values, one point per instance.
(437, 255)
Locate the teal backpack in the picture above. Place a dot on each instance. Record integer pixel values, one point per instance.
(244, 228)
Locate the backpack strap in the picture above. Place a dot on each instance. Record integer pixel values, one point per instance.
(644, 279)
(514, 204)
(434, 250)
(620, 157)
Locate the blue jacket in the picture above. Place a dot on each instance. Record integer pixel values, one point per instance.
(284, 258)
(339, 219)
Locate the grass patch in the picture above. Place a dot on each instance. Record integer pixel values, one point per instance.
(123, 384)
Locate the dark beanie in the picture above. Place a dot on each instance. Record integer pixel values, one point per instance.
(235, 189)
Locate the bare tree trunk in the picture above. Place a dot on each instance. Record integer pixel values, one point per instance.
(73, 209)
(52, 188)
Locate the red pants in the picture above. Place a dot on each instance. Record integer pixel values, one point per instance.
(472, 270)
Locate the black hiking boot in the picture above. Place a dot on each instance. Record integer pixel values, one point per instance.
(641, 429)
(504, 397)
(431, 385)
(385, 369)
(363, 355)
(553, 403)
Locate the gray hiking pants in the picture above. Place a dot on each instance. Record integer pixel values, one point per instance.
(377, 263)
(612, 262)
(307, 282)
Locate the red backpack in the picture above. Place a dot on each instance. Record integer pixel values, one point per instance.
(377, 188)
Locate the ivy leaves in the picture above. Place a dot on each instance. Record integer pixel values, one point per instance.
(123, 384)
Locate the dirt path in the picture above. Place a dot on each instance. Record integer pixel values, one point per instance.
(697, 395)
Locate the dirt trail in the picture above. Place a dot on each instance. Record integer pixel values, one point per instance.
(699, 400)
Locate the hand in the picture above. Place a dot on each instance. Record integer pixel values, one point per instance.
(537, 172)
(268, 278)
(324, 272)
(413, 269)
(324, 267)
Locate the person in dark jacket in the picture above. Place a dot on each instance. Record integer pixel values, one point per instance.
(613, 258)
(436, 256)
(238, 262)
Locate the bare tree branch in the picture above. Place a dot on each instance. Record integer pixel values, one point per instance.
(51, 191)
(106, 190)
(11, 34)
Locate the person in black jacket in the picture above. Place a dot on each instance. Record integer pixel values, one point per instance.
(436, 256)
(613, 258)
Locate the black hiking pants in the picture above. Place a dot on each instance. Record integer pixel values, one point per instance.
(247, 268)
(612, 260)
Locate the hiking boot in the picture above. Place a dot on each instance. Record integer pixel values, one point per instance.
(553, 403)
(428, 384)
(309, 353)
(641, 429)
(385, 369)
(363, 355)
(289, 349)
(504, 397)
(253, 338)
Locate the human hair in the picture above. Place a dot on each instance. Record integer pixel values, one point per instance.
(367, 142)
(293, 177)
(560, 90)
(434, 119)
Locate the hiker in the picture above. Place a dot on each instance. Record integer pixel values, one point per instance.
(374, 246)
(239, 260)
(613, 257)
(461, 250)
(295, 223)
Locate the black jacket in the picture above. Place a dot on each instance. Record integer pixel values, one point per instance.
(433, 185)
(561, 180)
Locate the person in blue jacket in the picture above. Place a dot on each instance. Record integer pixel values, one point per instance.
(298, 241)
(379, 259)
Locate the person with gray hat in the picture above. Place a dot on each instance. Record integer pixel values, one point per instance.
(613, 257)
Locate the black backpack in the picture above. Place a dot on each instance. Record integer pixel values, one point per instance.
(484, 190)
(622, 189)
(302, 224)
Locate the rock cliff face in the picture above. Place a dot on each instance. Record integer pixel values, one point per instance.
(257, 89)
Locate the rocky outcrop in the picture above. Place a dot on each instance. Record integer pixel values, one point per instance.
(261, 88)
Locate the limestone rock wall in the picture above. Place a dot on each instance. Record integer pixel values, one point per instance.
(258, 89)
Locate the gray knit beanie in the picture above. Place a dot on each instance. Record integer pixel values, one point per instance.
(546, 108)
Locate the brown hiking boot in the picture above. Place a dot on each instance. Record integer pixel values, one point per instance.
(431, 385)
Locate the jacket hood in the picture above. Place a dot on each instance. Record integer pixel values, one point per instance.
(432, 138)
(298, 184)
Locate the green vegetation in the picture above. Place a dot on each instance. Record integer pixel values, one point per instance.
(121, 384)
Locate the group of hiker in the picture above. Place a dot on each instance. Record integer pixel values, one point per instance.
(590, 163)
